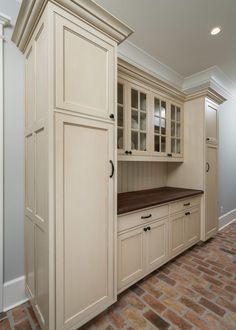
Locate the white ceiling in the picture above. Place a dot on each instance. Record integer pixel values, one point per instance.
(177, 32)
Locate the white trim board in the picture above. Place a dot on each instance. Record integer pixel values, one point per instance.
(14, 293)
(4, 20)
(227, 218)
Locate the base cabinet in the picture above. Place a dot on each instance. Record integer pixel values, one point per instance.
(142, 249)
(130, 257)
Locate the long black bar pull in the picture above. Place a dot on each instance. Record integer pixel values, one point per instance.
(112, 168)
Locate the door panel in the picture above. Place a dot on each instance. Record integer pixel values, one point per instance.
(177, 238)
(211, 124)
(130, 257)
(211, 220)
(157, 244)
(85, 73)
(84, 218)
(192, 226)
(29, 256)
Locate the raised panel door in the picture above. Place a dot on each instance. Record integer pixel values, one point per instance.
(85, 219)
(211, 195)
(211, 115)
(177, 234)
(157, 244)
(85, 71)
(131, 258)
(192, 226)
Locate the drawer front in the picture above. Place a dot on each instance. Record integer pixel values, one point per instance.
(184, 204)
(142, 217)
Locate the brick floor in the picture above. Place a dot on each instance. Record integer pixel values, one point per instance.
(197, 290)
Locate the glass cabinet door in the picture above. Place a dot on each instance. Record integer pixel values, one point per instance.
(120, 117)
(159, 126)
(176, 136)
(138, 120)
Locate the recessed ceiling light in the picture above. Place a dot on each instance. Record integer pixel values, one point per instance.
(216, 30)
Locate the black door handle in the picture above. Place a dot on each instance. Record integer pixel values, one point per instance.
(208, 167)
(112, 169)
(146, 216)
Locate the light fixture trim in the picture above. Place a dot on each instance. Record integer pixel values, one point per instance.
(216, 30)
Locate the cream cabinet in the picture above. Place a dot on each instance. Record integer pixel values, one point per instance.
(148, 238)
(140, 251)
(131, 256)
(70, 133)
(184, 230)
(150, 126)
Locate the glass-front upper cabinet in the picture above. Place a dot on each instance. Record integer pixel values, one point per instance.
(138, 121)
(160, 126)
(176, 131)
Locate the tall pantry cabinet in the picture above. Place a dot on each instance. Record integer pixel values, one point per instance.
(70, 158)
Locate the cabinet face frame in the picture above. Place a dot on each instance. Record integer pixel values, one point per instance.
(125, 117)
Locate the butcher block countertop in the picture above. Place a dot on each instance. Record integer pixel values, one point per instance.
(136, 200)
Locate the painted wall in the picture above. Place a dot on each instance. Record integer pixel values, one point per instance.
(227, 156)
(13, 151)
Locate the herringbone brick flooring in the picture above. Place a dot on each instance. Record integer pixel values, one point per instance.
(196, 290)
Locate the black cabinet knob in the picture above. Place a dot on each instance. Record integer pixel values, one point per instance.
(169, 155)
(148, 228)
(112, 116)
(130, 152)
(126, 151)
(145, 229)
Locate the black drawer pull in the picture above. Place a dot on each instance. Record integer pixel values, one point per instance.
(187, 213)
(146, 216)
(169, 155)
(187, 204)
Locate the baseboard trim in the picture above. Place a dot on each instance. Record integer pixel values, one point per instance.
(226, 219)
(14, 293)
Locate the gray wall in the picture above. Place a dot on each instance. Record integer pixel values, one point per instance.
(13, 151)
(227, 156)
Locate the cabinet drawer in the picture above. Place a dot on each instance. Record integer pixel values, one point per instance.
(184, 204)
(131, 220)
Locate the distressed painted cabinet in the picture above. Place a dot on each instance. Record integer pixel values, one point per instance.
(150, 124)
(70, 141)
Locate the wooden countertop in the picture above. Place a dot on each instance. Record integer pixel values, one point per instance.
(136, 200)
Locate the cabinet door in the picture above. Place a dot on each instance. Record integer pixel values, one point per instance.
(159, 127)
(192, 226)
(176, 234)
(211, 115)
(176, 131)
(85, 217)
(85, 69)
(138, 105)
(131, 261)
(211, 196)
(157, 244)
(122, 124)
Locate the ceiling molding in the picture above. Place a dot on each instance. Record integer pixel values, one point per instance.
(139, 58)
(213, 78)
(88, 10)
(5, 20)
(132, 71)
(206, 92)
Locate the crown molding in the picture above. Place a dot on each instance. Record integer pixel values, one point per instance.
(206, 92)
(5, 20)
(132, 71)
(88, 10)
(137, 57)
